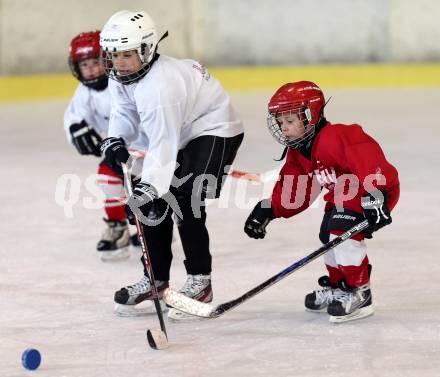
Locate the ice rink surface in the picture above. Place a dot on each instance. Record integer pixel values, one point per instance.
(57, 296)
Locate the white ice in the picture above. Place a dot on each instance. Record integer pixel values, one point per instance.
(57, 296)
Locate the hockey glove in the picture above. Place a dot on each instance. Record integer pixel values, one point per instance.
(85, 139)
(114, 150)
(376, 210)
(261, 215)
(140, 202)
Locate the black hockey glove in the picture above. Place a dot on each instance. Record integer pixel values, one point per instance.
(261, 215)
(85, 139)
(140, 202)
(376, 210)
(114, 150)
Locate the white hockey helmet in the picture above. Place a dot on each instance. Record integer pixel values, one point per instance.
(125, 31)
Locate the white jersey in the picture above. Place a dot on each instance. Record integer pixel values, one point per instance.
(90, 105)
(93, 106)
(174, 103)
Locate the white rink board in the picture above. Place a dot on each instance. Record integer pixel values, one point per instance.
(56, 295)
(225, 33)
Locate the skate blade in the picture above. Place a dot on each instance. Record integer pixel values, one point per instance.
(175, 315)
(144, 308)
(114, 255)
(357, 314)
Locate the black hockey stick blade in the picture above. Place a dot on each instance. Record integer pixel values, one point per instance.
(187, 305)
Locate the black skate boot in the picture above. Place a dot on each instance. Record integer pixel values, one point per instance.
(134, 300)
(197, 287)
(115, 241)
(318, 300)
(351, 303)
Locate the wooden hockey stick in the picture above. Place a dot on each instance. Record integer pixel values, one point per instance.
(185, 304)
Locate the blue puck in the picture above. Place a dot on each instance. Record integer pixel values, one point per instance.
(31, 359)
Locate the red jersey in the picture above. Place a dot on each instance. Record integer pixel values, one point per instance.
(345, 161)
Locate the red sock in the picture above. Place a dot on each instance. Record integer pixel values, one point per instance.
(116, 212)
(334, 275)
(356, 276)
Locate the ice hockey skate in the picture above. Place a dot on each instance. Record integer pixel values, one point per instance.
(115, 241)
(351, 304)
(319, 300)
(197, 287)
(137, 299)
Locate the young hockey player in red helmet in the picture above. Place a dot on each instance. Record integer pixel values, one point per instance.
(360, 184)
(86, 121)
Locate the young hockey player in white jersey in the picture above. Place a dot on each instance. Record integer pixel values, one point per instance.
(86, 122)
(193, 136)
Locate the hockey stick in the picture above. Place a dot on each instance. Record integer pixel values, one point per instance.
(185, 304)
(158, 339)
(256, 177)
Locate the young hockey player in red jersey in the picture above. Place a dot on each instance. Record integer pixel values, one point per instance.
(361, 185)
(86, 122)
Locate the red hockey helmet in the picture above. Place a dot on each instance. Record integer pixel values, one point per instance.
(303, 98)
(86, 46)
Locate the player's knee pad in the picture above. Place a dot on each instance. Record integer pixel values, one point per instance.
(113, 190)
(329, 258)
(350, 252)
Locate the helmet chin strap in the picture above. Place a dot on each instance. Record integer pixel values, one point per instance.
(157, 45)
(321, 113)
(99, 83)
(283, 154)
(162, 37)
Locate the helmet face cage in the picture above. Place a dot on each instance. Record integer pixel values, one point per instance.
(145, 56)
(274, 127)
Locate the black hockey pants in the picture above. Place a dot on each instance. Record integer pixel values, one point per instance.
(205, 162)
